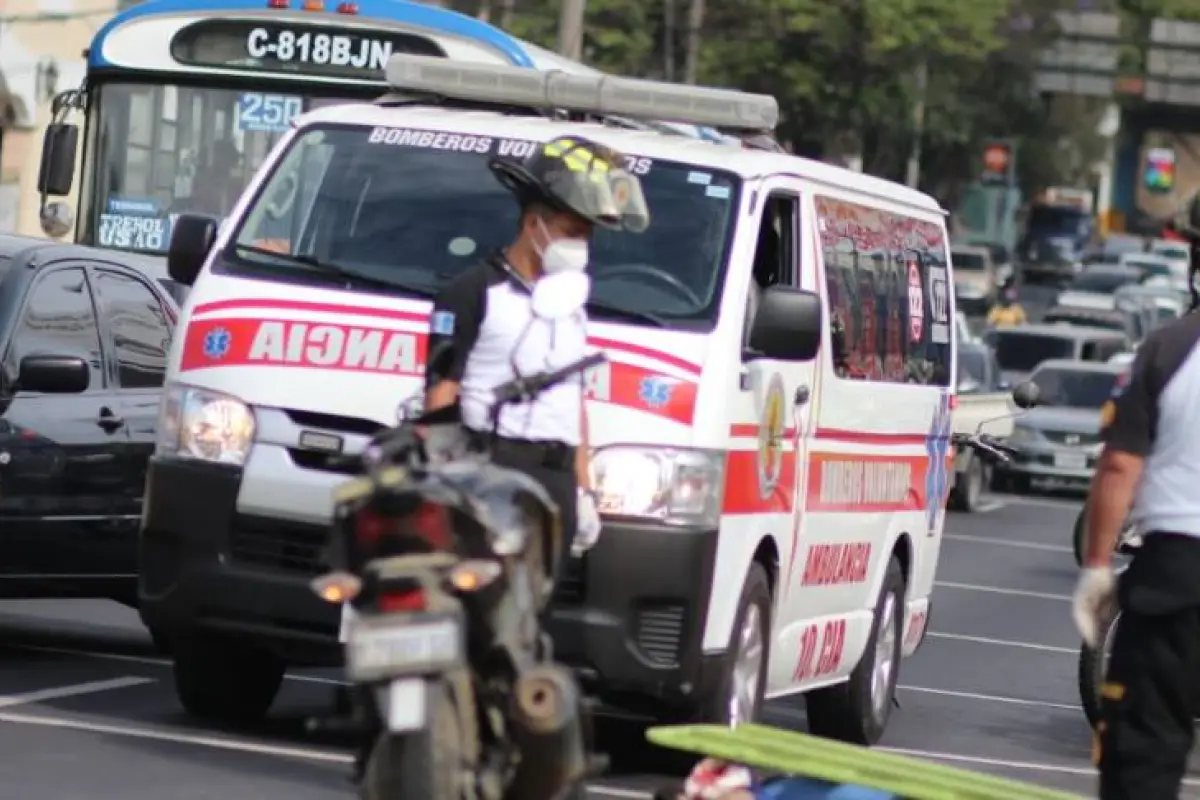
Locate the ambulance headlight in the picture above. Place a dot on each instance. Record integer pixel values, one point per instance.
(678, 487)
(204, 425)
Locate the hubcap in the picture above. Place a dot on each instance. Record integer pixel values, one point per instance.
(885, 658)
(747, 668)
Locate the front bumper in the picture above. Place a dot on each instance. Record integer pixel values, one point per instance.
(1063, 465)
(630, 617)
(207, 567)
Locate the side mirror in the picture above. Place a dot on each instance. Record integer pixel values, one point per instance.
(1003, 385)
(787, 325)
(191, 240)
(57, 171)
(1026, 395)
(54, 374)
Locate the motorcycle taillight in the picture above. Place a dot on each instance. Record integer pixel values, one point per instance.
(408, 600)
(431, 523)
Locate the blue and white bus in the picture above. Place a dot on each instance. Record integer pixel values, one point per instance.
(184, 98)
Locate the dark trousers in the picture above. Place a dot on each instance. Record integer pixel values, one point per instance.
(1152, 688)
(553, 466)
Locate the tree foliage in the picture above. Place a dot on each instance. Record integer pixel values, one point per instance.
(845, 72)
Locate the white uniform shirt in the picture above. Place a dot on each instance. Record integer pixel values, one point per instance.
(487, 314)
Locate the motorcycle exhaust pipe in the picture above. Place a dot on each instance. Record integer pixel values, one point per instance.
(550, 731)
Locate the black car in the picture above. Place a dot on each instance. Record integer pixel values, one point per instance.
(85, 339)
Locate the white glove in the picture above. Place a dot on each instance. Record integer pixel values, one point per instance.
(587, 524)
(1094, 603)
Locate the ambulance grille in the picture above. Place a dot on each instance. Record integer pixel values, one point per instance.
(288, 547)
(334, 423)
(659, 632)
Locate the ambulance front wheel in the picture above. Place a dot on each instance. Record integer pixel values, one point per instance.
(224, 680)
(857, 711)
(744, 678)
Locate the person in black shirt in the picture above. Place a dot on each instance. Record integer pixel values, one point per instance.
(565, 189)
(1150, 462)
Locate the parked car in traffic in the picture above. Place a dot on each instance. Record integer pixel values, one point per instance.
(1057, 443)
(1019, 350)
(983, 399)
(1095, 286)
(1129, 321)
(1156, 268)
(85, 335)
(976, 283)
(1178, 254)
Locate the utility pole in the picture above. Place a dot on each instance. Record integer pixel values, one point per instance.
(695, 27)
(570, 28)
(669, 28)
(918, 125)
(507, 9)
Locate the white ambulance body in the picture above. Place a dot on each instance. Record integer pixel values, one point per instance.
(772, 519)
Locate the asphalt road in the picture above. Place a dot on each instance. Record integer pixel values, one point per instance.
(87, 709)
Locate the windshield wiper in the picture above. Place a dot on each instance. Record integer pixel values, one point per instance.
(335, 269)
(628, 314)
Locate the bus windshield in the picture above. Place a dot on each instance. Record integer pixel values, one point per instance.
(158, 150)
(408, 210)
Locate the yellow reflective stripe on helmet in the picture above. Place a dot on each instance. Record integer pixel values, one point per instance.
(575, 156)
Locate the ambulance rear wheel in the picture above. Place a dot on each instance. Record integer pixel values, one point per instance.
(857, 711)
(223, 680)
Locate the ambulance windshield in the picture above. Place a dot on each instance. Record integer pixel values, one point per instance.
(407, 210)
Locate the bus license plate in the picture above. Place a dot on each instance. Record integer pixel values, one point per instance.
(374, 651)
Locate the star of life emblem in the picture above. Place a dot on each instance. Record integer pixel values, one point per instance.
(937, 473)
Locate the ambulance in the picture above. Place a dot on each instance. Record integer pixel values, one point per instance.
(770, 433)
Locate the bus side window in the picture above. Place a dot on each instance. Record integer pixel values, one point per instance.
(1090, 351)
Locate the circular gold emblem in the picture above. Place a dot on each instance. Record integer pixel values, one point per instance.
(770, 438)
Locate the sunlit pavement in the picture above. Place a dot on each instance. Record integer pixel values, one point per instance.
(87, 710)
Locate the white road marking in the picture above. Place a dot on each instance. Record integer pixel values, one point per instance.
(970, 587)
(615, 791)
(1046, 502)
(217, 742)
(58, 692)
(1045, 648)
(1046, 548)
(991, 698)
(148, 660)
(999, 762)
(988, 506)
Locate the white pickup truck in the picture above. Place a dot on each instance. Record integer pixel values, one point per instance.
(994, 411)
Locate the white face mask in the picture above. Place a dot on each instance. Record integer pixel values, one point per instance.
(562, 255)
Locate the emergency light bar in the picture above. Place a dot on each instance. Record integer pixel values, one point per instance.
(592, 94)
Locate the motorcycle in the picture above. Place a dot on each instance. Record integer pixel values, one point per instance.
(448, 561)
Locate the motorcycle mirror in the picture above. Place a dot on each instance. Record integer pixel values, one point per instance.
(1026, 395)
(559, 296)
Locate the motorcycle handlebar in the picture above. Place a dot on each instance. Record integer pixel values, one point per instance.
(985, 445)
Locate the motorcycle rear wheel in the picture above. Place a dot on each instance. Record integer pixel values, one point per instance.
(424, 764)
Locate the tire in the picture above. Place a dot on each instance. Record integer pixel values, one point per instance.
(424, 764)
(857, 711)
(161, 640)
(1092, 665)
(220, 679)
(755, 600)
(968, 486)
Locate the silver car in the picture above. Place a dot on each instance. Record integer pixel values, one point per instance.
(1058, 442)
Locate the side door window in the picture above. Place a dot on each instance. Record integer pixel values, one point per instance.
(59, 318)
(775, 251)
(139, 327)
